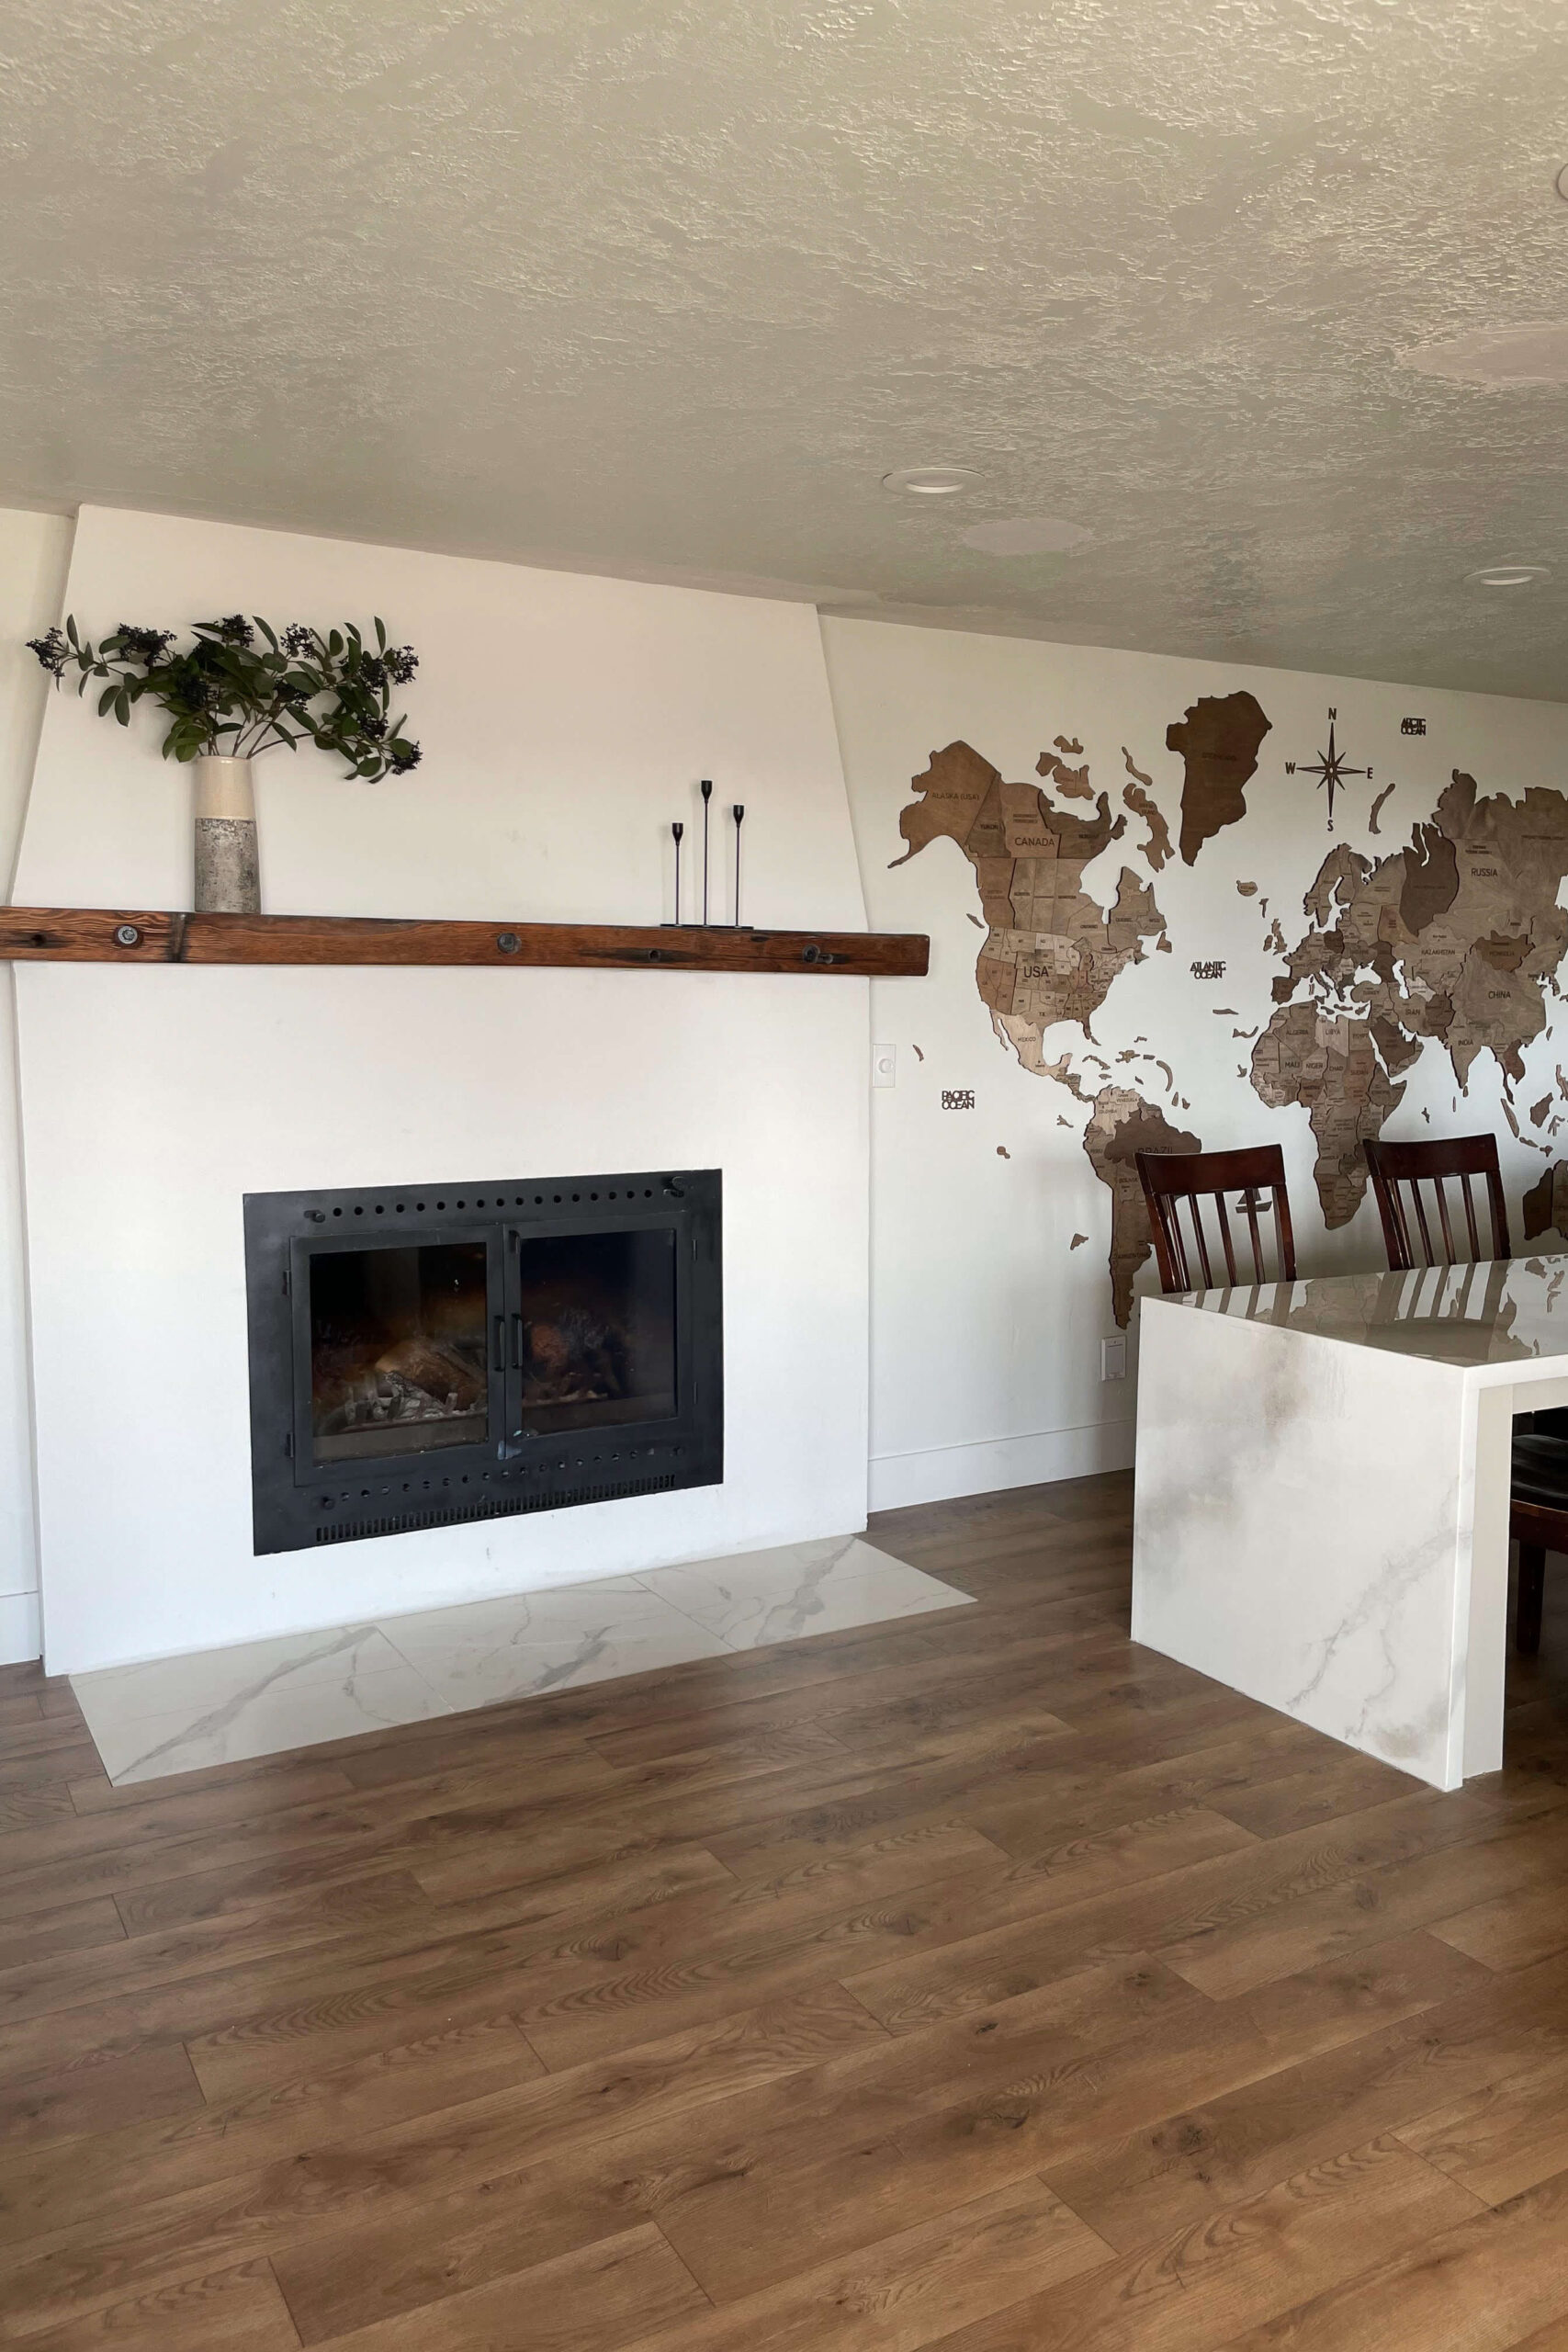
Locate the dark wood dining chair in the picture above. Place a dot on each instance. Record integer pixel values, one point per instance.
(1399, 1172)
(1174, 1180)
(1538, 1520)
(1538, 1508)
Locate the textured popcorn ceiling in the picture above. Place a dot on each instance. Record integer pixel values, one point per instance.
(668, 285)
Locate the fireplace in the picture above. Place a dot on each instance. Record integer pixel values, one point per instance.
(425, 1354)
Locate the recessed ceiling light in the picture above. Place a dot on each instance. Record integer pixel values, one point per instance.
(1025, 534)
(932, 481)
(1508, 575)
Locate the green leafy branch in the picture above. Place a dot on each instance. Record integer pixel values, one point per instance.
(242, 688)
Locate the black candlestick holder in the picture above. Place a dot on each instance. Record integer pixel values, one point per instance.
(677, 833)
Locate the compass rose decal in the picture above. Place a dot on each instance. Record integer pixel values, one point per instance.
(1329, 767)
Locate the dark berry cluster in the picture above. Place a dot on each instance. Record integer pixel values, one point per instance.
(52, 652)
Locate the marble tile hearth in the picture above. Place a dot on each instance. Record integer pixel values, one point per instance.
(179, 1714)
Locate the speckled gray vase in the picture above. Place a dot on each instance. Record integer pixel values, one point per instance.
(228, 878)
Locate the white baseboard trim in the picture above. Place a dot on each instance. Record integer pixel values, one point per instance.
(939, 1473)
(22, 1628)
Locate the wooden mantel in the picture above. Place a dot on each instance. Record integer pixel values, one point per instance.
(108, 936)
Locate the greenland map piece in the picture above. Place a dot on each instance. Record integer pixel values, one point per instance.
(1218, 740)
(1051, 952)
(1460, 933)
(1123, 1124)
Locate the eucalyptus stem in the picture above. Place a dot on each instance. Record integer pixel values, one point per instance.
(244, 680)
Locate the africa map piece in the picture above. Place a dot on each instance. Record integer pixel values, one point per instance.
(1051, 952)
(1327, 1064)
(1218, 740)
(1458, 932)
(1123, 1124)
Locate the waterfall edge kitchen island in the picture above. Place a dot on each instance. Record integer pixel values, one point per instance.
(1320, 1517)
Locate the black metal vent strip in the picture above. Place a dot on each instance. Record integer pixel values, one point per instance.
(404, 1522)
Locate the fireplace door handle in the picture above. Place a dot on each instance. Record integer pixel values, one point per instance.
(517, 1343)
(498, 1364)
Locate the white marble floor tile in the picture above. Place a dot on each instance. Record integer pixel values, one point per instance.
(778, 1596)
(223, 1706)
(146, 1747)
(211, 1679)
(540, 1641)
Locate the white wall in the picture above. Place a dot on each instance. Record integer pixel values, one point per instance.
(565, 721)
(34, 549)
(987, 1321)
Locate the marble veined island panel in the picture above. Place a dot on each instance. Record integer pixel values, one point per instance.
(1321, 1504)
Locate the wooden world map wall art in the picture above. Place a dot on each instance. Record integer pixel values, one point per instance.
(1451, 943)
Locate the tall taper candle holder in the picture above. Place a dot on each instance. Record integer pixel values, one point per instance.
(676, 830)
(737, 812)
(706, 789)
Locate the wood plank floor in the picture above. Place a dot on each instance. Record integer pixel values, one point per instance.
(978, 1981)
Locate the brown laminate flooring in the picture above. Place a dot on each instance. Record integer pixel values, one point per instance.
(978, 1981)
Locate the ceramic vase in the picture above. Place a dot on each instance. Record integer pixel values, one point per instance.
(228, 878)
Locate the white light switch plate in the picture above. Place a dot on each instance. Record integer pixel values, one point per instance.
(1113, 1357)
(884, 1065)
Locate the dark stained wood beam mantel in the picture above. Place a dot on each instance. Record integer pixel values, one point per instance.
(108, 936)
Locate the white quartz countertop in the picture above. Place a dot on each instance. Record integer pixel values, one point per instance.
(1502, 1320)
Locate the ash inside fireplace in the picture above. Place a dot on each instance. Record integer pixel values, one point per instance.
(578, 1358)
(398, 1349)
(598, 1328)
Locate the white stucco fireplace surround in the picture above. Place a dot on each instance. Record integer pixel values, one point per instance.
(565, 721)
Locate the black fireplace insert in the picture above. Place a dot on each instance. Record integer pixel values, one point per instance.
(426, 1354)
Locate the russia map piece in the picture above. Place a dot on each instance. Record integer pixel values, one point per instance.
(1458, 934)
(1051, 952)
(1218, 740)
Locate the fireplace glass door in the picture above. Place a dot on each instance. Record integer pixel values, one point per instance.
(594, 1334)
(398, 1350)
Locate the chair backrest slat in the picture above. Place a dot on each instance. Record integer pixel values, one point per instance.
(1400, 1170)
(1171, 1178)
(1249, 1202)
(1202, 1244)
(1469, 1216)
(1225, 1238)
(1421, 1220)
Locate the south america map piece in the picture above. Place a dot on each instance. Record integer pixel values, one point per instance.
(1329, 767)
(1122, 1125)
